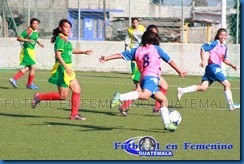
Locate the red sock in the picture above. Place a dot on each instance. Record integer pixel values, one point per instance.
(75, 104)
(126, 104)
(158, 103)
(49, 96)
(18, 75)
(30, 79)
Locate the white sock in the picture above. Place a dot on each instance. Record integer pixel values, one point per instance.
(133, 95)
(228, 96)
(192, 88)
(165, 115)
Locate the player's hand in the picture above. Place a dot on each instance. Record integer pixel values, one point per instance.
(102, 59)
(41, 45)
(183, 73)
(88, 52)
(69, 71)
(30, 41)
(234, 67)
(202, 64)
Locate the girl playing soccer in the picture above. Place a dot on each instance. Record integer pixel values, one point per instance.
(27, 55)
(163, 85)
(62, 74)
(148, 61)
(213, 72)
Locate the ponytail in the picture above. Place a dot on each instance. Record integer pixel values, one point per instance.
(56, 32)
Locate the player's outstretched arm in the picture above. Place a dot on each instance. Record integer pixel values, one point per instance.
(227, 62)
(177, 69)
(86, 52)
(103, 59)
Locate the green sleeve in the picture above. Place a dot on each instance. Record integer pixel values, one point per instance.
(24, 34)
(59, 44)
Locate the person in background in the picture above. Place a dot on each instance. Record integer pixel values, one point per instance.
(27, 55)
(213, 71)
(62, 73)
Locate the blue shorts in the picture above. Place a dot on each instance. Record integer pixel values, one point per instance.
(150, 83)
(213, 72)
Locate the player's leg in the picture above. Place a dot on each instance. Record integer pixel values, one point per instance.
(124, 107)
(62, 94)
(75, 100)
(159, 96)
(228, 95)
(163, 87)
(18, 75)
(30, 84)
(148, 84)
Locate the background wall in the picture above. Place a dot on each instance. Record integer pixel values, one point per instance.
(185, 55)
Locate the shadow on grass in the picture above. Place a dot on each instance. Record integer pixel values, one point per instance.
(27, 116)
(101, 128)
(19, 115)
(110, 113)
(2, 87)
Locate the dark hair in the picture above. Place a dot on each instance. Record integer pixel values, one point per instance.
(133, 19)
(152, 26)
(33, 20)
(150, 38)
(56, 31)
(218, 32)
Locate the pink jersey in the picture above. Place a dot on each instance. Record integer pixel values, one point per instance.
(217, 52)
(148, 59)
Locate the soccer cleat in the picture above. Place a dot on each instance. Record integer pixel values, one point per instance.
(36, 100)
(156, 111)
(13, 83)
(234, 107)
(115, 100)
(124, 112)
(170, 127)
(32, 86)
(77, 117)
(179, 93)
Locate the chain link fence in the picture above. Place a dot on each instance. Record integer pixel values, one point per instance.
(179, 21)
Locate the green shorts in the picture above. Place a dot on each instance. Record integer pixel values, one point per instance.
(136, 75)
(59, 76)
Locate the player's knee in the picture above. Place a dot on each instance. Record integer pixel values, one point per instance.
(63, 96)
(227, 85)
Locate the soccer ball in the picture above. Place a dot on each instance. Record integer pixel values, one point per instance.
(175, 117)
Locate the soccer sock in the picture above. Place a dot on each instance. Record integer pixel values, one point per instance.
(75, 104)
(133, 95)
(49, 96)
(30, 79)
(18, 75)
(228, 96)
(165, 115)
(157, 105)
(126, 104)
(192, 88)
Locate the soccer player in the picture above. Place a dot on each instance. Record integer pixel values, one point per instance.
(148, 60)
(62, 73)
(213, 72)
(27, 55)
(133, 40)
(136, 78)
